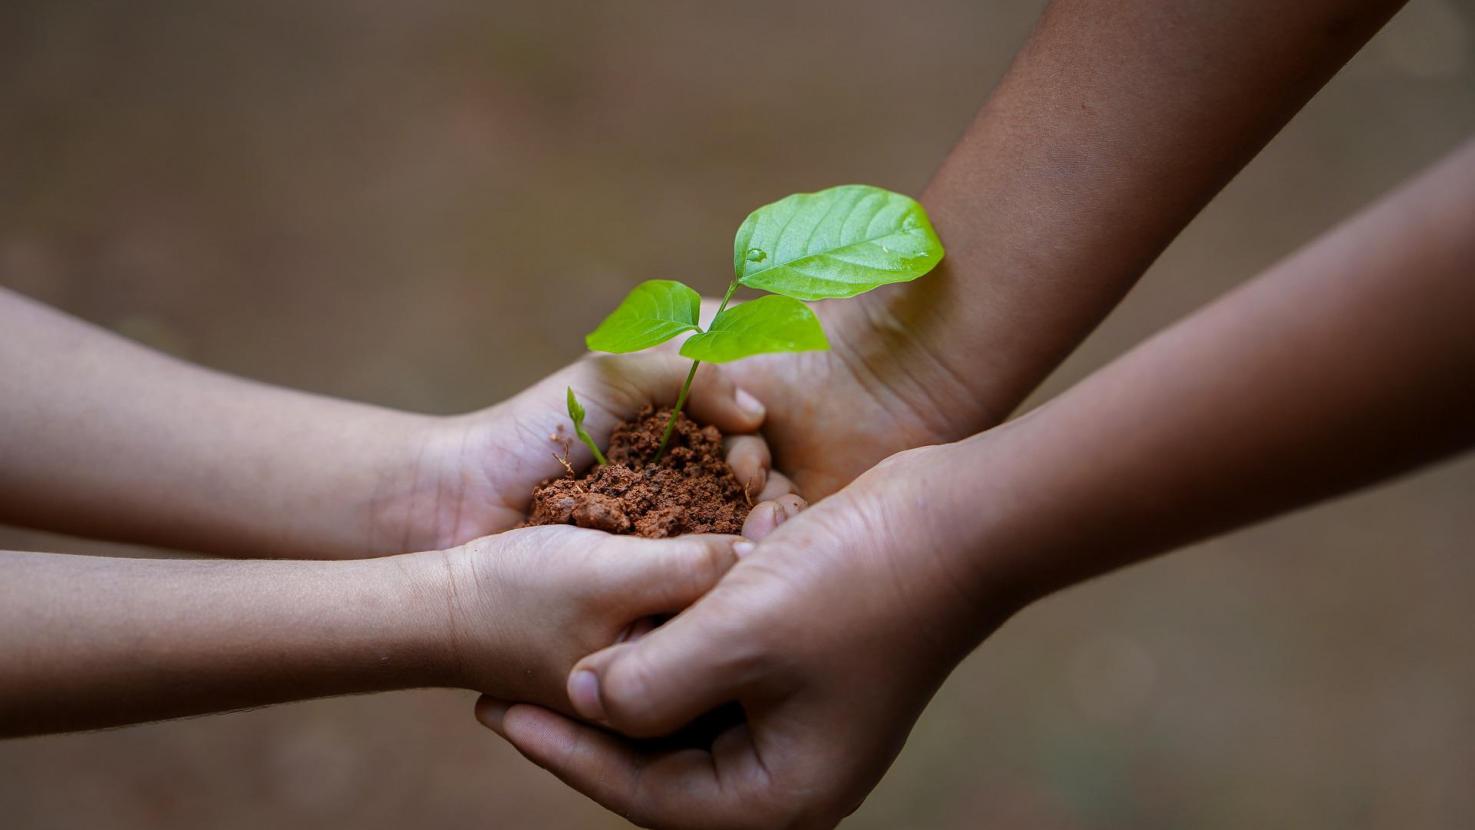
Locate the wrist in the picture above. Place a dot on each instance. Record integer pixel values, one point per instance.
(409, 600)
(415, 487)
(891, 338)
(952, 512)
(1014, 520)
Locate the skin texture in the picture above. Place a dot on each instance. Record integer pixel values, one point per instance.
(1115, 125)
(1348, 363)
(103, 437)
(94, 641)
(106, 438)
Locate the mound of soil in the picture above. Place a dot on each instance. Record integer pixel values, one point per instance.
(691, 489)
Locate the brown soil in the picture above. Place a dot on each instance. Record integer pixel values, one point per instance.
(691, 490)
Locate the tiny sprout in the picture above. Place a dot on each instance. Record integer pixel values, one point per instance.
(576, 414)
(832, 244)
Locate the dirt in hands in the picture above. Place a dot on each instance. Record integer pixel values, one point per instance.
(690, 490)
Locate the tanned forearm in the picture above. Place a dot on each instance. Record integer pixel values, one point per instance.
(102, 437)
(1350, 362)
(1115, 125)
(93, 642)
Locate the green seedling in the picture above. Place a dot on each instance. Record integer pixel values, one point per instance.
(832, 244)
(576, 414)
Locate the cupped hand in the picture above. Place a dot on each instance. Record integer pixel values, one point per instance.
(832, 415)
(522, 607)
(474, 474)
(832, 634)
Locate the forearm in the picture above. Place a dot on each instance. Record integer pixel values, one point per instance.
(1348, 363)
(1116, 123)
(102, 437)
(94, 642)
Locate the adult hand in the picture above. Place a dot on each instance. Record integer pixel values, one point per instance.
(833, 633)
(878, 390)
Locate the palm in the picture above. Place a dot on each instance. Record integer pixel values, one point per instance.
(479, 470)
(833, 415)
(832, 635)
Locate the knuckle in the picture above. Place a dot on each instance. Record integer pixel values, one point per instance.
(702, 565)
(792, 503)
(717, 378)
(714, 560)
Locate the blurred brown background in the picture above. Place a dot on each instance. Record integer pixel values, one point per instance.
(426, 204)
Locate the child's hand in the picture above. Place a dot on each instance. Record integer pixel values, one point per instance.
(473, 475)
(109, 439)
(96, 642)
(525, 605)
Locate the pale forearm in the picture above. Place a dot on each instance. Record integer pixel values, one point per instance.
(102, 437)
(93, 642)
(1116, 123)
(1348, 363)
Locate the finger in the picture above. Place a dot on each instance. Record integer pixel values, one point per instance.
(793, 504)
(652, 687)
(670, 789)
(490, 712)
(715, 399)
(664, 576)
(766, 517)
(637, 629)
(761, 521)
(749, 459)
(595, 763)
(632, 381)
(778, 485)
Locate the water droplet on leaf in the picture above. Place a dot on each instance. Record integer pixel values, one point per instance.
(755, 255)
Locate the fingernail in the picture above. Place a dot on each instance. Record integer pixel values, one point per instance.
(750, 405)
(583, 693)
(742, 548)
(490, 713)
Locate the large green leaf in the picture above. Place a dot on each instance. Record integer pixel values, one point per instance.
(653, 312)
(767, 324)
(835, 243)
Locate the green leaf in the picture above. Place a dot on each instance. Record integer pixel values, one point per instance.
(835, 243)
(653, 312)
(767, 324)
(575, 409)
(576, 414)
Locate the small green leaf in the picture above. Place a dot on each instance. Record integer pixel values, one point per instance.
(653, 312)
(835, 243)
(767, 324)
(575, 409)
(576, 414)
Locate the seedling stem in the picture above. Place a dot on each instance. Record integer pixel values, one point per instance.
(858, 238)
(686, 387)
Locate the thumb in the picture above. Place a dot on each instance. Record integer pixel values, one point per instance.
(655, 685)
